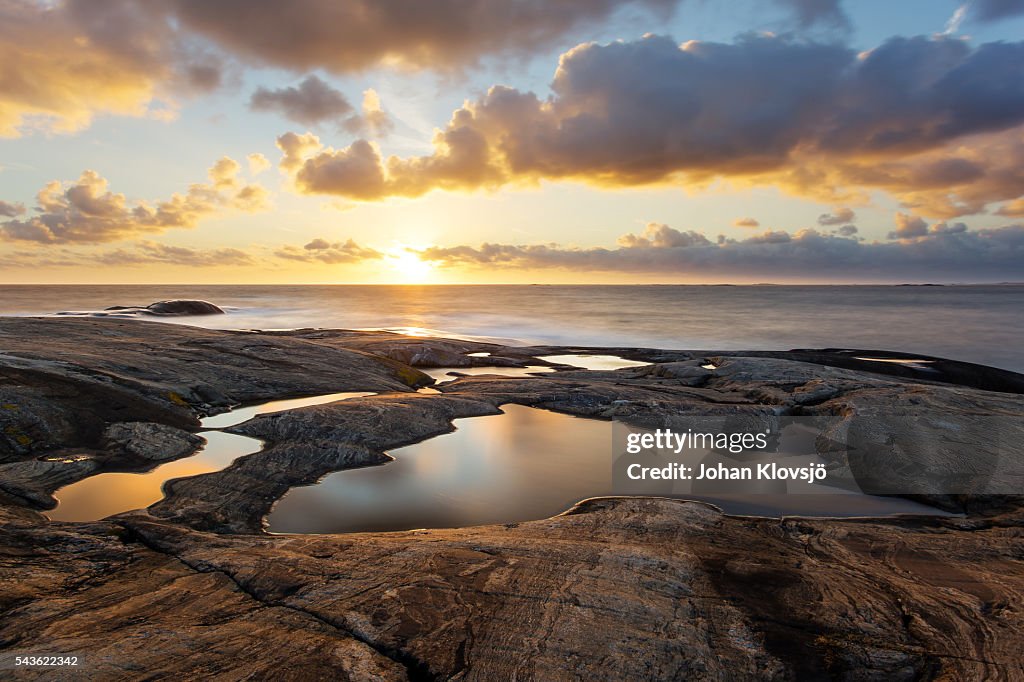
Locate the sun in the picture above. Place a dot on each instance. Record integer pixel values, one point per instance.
(408, 266)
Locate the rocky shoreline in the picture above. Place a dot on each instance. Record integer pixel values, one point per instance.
(639, 588)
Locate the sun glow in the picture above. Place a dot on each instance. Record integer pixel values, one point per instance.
(408, 266)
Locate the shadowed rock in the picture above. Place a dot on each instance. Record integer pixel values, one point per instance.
(183, 307)
(171, 308)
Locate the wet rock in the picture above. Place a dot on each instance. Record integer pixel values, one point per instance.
(172, 308)
(145, 440)
(184, 307)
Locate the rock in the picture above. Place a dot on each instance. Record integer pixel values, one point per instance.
(35, 480)
(155, 442)
(64, 379)
(184, 307)
(170, 308)
(615, 588)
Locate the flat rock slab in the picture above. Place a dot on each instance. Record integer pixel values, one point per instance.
(616, 588)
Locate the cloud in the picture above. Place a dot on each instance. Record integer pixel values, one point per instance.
(373, 120)
(311, 102)
(138, 254)
(839, 216)
(257, 163)
(914, 227)
(997, 10)
(909, 226)
(746, 222)
(956, 19)
(323, 251)
(1014, 208)
(809, 13)
(86, 211)
(661, 236)
(65, 62)
(847, 230)
(949, 253)
(343, 37)
(149, 253)
(920, 117)
(9, 210)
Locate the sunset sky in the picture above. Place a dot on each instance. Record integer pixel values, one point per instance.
(464, 141)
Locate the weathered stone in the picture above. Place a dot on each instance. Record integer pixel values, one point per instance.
(145, 440)
(184, 307)
(616, 588)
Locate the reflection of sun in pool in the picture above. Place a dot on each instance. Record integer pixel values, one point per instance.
(408, 266)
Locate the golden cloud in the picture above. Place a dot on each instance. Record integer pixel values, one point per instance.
(921, 118)
(86, 211)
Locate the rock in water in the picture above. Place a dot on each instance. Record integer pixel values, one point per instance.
(183, 307)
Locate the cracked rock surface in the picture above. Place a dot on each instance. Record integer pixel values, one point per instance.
(615, 588)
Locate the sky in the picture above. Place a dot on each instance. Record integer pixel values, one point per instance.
(486, 141)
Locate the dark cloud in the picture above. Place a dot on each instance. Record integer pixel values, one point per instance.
(839, 215)
(946, 254)
(313, 102)
(769, 237)
(310, 102)
(847, 230)
(746, 222)
(996, 10)
(86, 211)
(810, 13)
(67, 60)
(9, 210)
(323, 251)
(355, 35)
(809, 117)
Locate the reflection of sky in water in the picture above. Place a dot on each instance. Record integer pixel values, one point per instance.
(441, 373)
(241, 414)
(525, 464)
(104, 494)
(112, 493)
(596, 362)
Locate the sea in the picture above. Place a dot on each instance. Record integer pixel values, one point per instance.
(974, 323)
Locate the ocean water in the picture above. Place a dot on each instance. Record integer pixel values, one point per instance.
(983, 324)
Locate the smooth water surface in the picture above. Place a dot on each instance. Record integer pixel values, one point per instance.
(593, 362)
(243, 414)
(978, 323)
(102, 495)
(523, 465)
(496, 469)
(441, 374)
